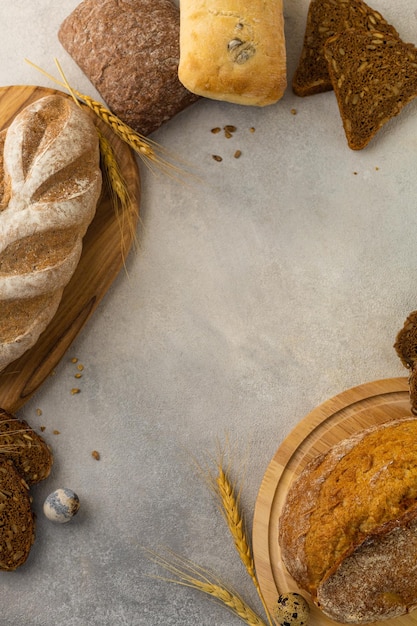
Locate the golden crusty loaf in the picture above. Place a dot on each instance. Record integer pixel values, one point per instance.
(325, 19)
(233, 50)
(374, 76)
(29, 452)
(348, 528)
(50, 184)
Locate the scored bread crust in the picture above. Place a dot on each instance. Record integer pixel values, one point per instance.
(364, 581)
(50, 184)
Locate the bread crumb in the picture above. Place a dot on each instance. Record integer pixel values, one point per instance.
(42, 429)
(56, 432)
(216, 157)
(75, 390)
(38, 411)
(95, 455)
(252, 129)
(293, 111)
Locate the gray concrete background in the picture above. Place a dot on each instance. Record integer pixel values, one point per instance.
(278, 281)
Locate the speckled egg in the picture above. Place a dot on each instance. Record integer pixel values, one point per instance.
(61, 505)
(291, 609)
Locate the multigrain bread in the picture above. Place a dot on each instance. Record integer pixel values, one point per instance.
(29, 452)
(17, 522)
(325, 19)
(233, 50)
(406, 348)
(348, 528)
(50, 184)
(374, 76)
(129, 49)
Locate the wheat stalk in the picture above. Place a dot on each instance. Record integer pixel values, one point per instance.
(149, 151)
(188, 574)
(234, 518)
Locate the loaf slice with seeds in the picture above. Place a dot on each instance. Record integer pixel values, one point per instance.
(406, 348)
(17, 523)
(325, 19)
(374, 76)
(29, 452)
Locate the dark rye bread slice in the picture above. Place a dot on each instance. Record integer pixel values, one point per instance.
(30, 454)
(325, 19)
(406, 348)
(17, 523)
(374, 76)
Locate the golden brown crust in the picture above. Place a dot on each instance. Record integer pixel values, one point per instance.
(233, 50)
(361, 493)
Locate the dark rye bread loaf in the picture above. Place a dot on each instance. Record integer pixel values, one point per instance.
(29, 452)
(325, 19)
(348, 528)
(374, 76)
(129, 49)
(17, 525)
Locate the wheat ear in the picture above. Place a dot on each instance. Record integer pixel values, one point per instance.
(188, 574)
(149, 151)
(231, 510)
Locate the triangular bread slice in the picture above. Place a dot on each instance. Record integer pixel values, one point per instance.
(374, 76)
(325, 19)
(16, 518)
(29, 452)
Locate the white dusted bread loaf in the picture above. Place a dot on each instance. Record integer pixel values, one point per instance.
(50, 182)
(233, 50)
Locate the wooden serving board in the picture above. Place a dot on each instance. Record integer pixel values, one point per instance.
(105, 247)
(334, 420)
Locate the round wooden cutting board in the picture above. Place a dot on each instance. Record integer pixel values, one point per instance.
(105, 247)
(334, 420)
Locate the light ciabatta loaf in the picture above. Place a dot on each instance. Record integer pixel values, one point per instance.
(50, 182)
(348, 530)
(233, 50)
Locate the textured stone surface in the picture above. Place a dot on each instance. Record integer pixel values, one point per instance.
(275, 282)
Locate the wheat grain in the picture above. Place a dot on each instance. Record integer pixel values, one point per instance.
(191, 575)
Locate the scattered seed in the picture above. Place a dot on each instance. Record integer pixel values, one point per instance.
(80, 367)
(293, 111)
(216, 130)
(237, 154)
(216, 157)
(43, 428)
(74, 360)
(39, 412)
(252, 129)
(75, 390)
(56, 432)
(95, 455)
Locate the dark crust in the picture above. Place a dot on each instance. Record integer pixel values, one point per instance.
(17, 521)
(129, 49)
(311, 75)
(379, 71)
(32, 456)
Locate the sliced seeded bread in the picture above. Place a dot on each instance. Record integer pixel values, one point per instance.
(374, 76)
(406, 348)
(17, 524)
(30, 454)
(325, 19)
